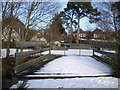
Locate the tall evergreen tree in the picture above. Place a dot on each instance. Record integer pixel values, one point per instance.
(68, 19)
(82, 9)
(56, 27)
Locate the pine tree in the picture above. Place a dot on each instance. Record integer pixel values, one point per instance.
(82, 9)
(56, 27)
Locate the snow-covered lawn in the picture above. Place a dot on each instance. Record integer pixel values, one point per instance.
(71, 52)
(12, 52)
(91, 82)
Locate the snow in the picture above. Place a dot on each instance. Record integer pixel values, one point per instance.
(98, 54)
(3, 52)
(82, 65)
(12, 52)
(98, 40)
(71, 65)
(71, 52)
(90, 82)
(111, 51)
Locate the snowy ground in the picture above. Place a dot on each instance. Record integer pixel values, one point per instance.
(91, 82)
(12, 52)
(71, 52)
(74, 65)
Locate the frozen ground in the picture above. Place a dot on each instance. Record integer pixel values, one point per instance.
(91, 82)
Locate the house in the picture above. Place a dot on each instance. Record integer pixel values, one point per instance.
(17, 28)
(19, 31)
(97, 33)
(81, 35)
(39, 38)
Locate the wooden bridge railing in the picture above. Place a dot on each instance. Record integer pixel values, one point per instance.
(29, 44)
(98, 48)
(105, 56)
(20, 55)
(23, 44)
(77, 46)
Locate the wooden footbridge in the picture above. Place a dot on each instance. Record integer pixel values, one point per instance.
(28, 67)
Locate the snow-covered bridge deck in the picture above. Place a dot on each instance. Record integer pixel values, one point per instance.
(72, 66)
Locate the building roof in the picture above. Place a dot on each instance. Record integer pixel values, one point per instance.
(98, 31)
(80, 31)
(15, 23)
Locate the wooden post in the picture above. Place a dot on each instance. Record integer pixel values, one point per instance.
(102, 52)
(80, 46)
(17, 60)
(50, 49)
(64, 50)
(93, 50)
(79, 52)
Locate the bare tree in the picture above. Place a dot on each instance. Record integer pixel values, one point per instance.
(32, 14)
(108, 16)
(37, 15)
(9, 11)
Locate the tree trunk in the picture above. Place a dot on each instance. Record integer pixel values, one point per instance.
(10, 32)
(71, 31)
(78, 32)
(8, 43)
(115, 23)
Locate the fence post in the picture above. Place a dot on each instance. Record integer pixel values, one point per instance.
(17, 60)
(64, 50)
(93, 50)
(79, 52)
(50, 49)
(102, 52)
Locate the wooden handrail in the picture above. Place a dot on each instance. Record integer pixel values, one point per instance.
(28, 53)
(111, 55)
(29, 44)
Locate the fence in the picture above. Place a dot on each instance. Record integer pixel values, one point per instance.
(98, 48)
(19, 55)
(76, 46)
(105, 56)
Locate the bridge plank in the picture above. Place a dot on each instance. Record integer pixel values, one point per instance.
(59, 76)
